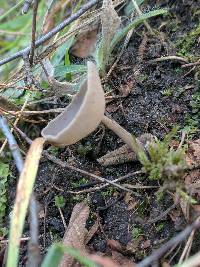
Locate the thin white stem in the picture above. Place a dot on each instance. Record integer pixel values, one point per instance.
(128, 138)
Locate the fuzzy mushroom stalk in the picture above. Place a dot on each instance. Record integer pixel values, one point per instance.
(84, 114)
(128, 138)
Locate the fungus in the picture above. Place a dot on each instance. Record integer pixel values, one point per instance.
(84, 114)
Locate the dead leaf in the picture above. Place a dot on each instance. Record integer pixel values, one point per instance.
(110, 23)
(192, 177)
(146, 244)
(50, 19)
(76, 234)
(130, 201)
(121, 260)
(103, 261)
(165, 264)
(193, 155)
(114, 245)
(127, 88)
(85, 44)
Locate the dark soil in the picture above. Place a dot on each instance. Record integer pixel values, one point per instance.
(160, 97)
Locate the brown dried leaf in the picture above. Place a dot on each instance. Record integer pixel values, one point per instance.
(114, 245)
(121, 260)
(50, 19)
(76, 232)
(110, 23)
(85, 44)
(127, 88)
(103, 261)
(193, 155)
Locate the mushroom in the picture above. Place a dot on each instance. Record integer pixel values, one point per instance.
(84, 114)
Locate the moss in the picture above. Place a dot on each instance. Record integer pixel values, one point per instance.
(84, 150)
(160, 226)
(185, 45)
(167, 92)
(143, 207)
(163, 162)
(79, 182)
(136, 232)
(108, 192)
(192, 120)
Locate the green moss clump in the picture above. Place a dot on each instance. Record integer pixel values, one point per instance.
(192, 120)
(185, 44)
(162, 161)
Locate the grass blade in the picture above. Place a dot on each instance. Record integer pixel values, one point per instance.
(24, 190)
(118, 36)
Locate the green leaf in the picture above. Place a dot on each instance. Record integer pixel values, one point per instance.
(4, 15)
(54, 256)
(56, 252)
(119, 35)
(130, 7)
(60, 52)
(62, 70)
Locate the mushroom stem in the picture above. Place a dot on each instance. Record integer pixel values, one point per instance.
(128, 138)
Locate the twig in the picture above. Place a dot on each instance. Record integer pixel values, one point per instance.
(5, 241)
(34, 257)
(187, 247)
(51, 33)
(192, 261)
(96, 177)
(32, 50)
(36, 112)
(140, 13)
(182, 140)
(62, 217)
(129, 175)
(191, 64)
(26, 6)
(157, 254)
(12, 144)
(163, 214)
(160, 59)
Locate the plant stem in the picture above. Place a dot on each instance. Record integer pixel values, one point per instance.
(140, 13)
(128, 138)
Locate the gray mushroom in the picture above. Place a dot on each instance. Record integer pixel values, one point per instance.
(84, 114)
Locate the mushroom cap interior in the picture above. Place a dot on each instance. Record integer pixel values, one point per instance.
(82, 116)
(62, 121)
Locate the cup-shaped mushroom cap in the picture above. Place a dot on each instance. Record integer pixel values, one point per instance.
(82, 116)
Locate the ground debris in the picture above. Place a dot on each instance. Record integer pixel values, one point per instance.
(124, 153)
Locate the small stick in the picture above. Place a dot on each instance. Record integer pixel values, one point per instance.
(163, 214)
(140, 13)
(157, 254)
(182, 140)
(187, 247)
(34, 257)
(32, 50)
(26, 6)
(62, 217)
(191, 64)
(160, 59)
(12, 144)
(106, 185)
(36, 112)
(96, 177)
